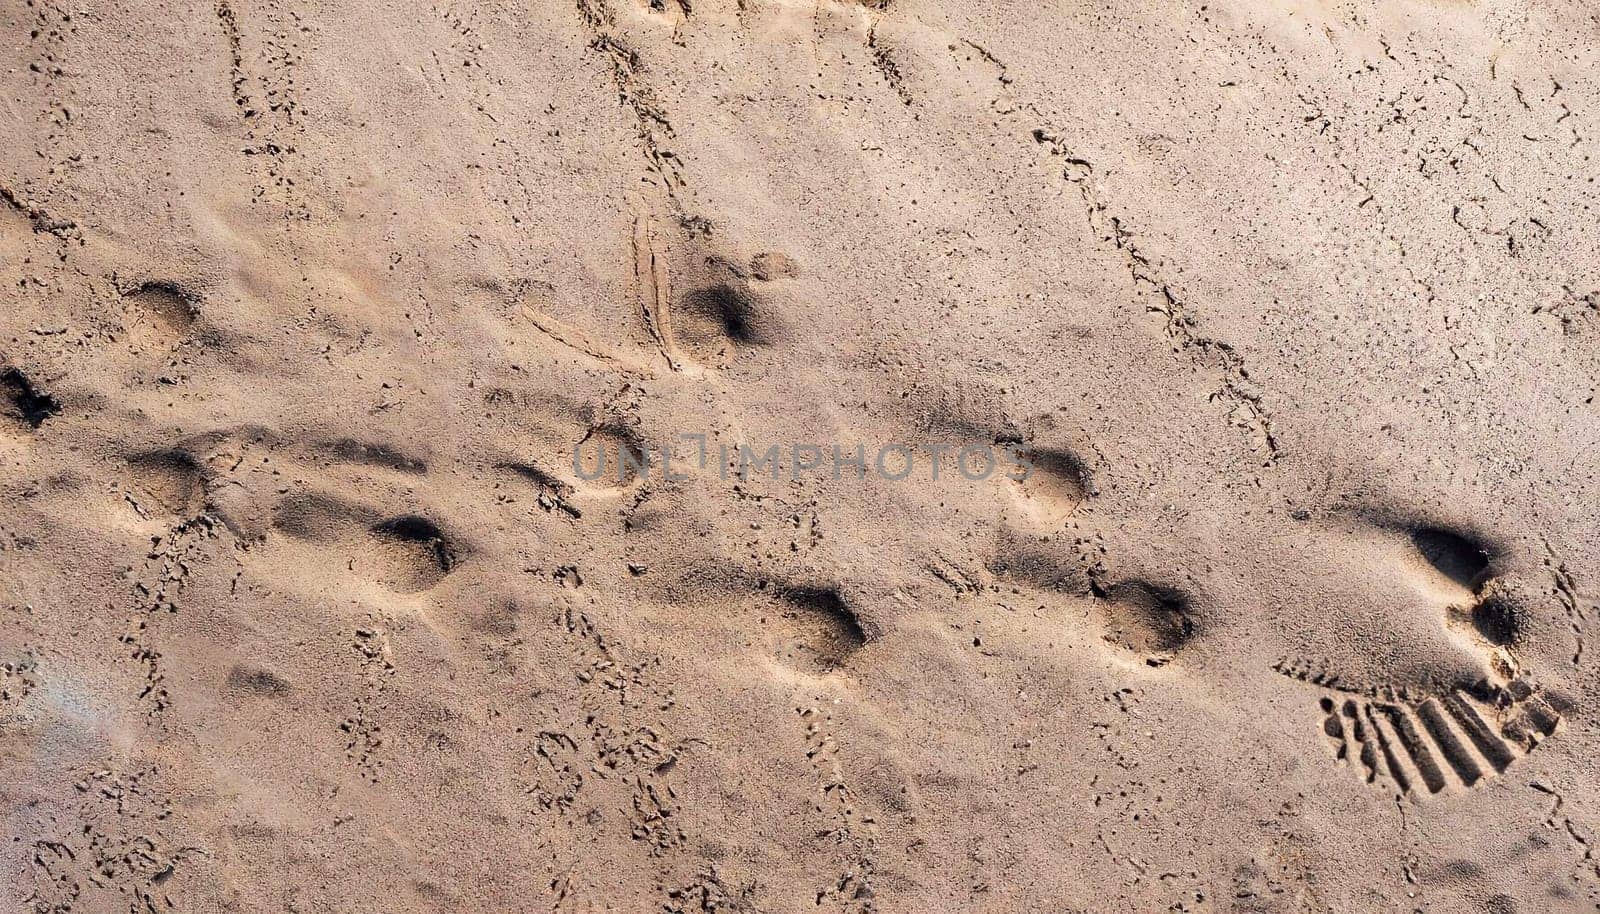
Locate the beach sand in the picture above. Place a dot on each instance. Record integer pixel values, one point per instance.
(1287, 312)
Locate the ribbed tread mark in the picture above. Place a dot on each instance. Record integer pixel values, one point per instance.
(1445, 738)
(1369, 752)
(1333, 727)
(1490, 746)
(1390, 758)
(1411, 739)
(1479, 730)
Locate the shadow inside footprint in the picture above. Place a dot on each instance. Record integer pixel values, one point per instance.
(820, 629)
(1456, 557)
(364, 453)
(408, 554)
(1501, 608)
(173, 479)
(256, 680)
(725, 308)
(1057, 482)
(554, 494)
(714, 321)
(1147, 619)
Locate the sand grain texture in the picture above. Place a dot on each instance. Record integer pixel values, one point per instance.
(304, 308)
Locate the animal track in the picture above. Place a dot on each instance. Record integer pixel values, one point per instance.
(22, 402)
(557, 772)
(851, 892)
(18, 678)
(653, 126)
(264, 91)
(773, 265)
(1150, 276)
(363, 729)
(1566, 592)
(623, 753)
(706, 893)
(167, 568)
(118, 854)
(1457, 738)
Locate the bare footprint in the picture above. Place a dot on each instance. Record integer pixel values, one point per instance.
(161, 314)
(169, 482)
(610, 456)
(1057, 482)
(815, 629)
(1149, 620)
(724, 310)
(406, 553)
(320, 519)
(805, 626)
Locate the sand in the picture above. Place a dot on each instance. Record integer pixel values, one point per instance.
(1289, 311)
